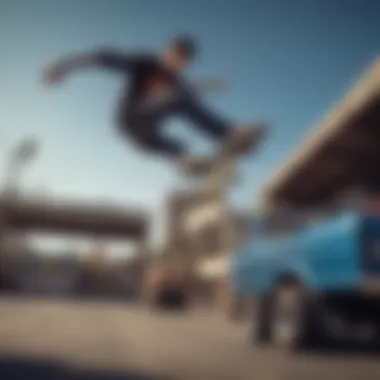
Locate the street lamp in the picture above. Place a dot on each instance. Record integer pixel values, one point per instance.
(19, 157)
(21, 154)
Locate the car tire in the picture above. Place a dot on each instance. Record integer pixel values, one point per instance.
(376, 342)
(297, 319)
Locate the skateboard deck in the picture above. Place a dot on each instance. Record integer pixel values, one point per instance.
(227, 155)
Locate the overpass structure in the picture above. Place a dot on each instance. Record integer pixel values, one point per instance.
(73, 217)
(342, 152)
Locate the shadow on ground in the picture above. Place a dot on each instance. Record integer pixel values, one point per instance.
(12, 368)
(347, 349)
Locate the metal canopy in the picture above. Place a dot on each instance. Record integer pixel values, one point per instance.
(342, 152)
(74, 217)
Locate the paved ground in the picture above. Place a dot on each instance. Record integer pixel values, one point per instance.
(64, 340)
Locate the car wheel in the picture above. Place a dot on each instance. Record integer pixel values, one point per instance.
(297, 319)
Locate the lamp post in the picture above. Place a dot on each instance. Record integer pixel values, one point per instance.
(20, 155)
(19, 158)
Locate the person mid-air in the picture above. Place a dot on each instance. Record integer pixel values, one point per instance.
(154, 91)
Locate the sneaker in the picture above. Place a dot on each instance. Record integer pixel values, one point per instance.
(244, 139)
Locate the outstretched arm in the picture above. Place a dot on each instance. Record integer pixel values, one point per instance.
(107, 59)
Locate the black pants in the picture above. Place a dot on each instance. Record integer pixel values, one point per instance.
(145, 126)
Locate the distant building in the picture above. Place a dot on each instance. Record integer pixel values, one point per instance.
(179, 204)
(204, 235)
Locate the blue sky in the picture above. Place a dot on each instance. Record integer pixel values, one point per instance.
(287, 62)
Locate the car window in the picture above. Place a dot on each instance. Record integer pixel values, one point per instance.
(277, 225)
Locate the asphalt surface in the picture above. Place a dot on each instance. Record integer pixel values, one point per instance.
(72, 340)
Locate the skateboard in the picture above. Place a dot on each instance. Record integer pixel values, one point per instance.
(228, 154)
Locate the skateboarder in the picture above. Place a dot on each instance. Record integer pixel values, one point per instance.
(155, 91)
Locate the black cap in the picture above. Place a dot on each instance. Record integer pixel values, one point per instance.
(185, 45)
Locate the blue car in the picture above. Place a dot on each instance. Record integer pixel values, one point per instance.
(311, 282)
